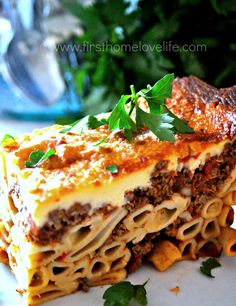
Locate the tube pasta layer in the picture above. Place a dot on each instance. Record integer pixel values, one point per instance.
(69, 223)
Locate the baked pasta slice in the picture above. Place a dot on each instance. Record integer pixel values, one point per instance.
(71, 222)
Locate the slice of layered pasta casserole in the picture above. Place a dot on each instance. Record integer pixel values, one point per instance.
(71, 223)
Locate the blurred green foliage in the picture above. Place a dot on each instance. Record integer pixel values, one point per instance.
(152, 22)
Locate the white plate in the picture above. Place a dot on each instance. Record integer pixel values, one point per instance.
(196, 289)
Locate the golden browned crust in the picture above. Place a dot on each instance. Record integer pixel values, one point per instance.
(79, 162)
(207, 108)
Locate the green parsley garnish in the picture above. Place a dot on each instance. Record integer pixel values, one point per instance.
(123, 293)
(85, 123)
(93, 123)
(37, 157)
(160, 125)
(70, 127)
(208, 265)
(112, 168)
(162, 122)
(6, 138)
(157, 94)
(100, 142)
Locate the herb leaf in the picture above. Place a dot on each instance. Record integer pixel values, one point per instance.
(120, 119)
(106, 139)
(94, 123)
(112, 168)
(37, 157)
(161, 90)
(100, 142)
(91, 122)
(208, 265)
(162, 122)
(140, 294)
(70, 127)
(85, 123)
(179, 125)
(123, 293)
(160, 125)
(6, 138)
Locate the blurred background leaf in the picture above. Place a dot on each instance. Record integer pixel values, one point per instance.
(129, 22)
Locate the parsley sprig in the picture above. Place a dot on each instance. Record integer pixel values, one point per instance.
(85, 123)
(112, 168)
(123, 293)
(208, 265)
(160, 120)
(37, 157)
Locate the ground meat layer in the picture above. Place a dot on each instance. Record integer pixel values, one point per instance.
(208, 178)
(59, 222)
(204, 183)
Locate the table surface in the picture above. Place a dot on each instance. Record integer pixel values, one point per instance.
(196, 289)
(14, 127)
